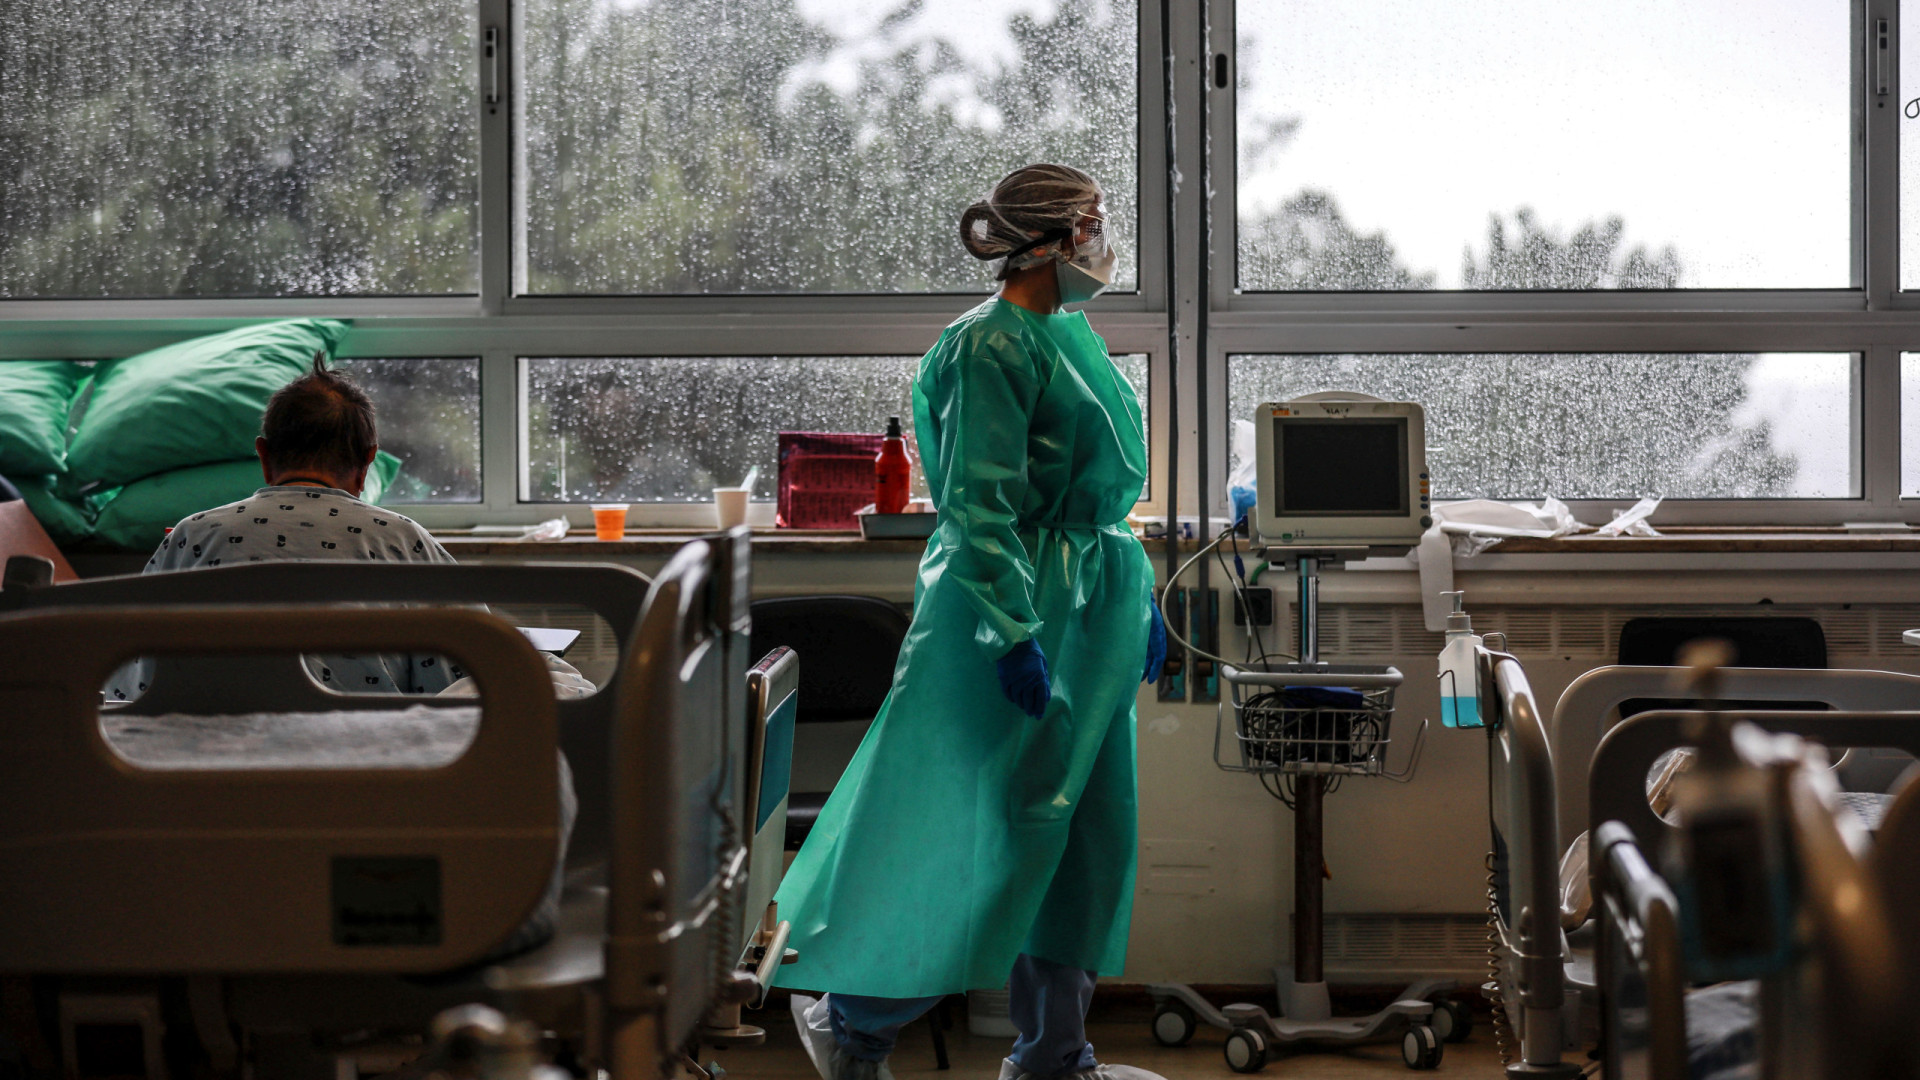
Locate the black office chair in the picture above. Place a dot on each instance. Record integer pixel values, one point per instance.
(1758, 641)
(848, 646)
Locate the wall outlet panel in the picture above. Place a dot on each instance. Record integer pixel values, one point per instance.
(1203, 629)
(1257, 597)
(1172, 685)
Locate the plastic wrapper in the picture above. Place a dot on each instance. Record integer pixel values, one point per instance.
(548, 530)
(1466, 528)
(1576, 887)
(1243, 481)
(1632, 521)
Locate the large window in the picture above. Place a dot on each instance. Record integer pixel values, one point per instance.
(794, 146)
(1500, 144)
(428, 415)
(671, 429)
(245, 148)
(1602, 426)
(608, 249)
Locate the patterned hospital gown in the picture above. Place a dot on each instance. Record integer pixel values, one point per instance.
(305, 524)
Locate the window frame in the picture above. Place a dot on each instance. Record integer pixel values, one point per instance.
(500, 326)
(1875, 319)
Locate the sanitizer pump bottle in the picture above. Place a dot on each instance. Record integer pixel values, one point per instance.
(1459, 673)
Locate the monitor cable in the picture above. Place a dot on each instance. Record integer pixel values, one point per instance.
(1238, 581)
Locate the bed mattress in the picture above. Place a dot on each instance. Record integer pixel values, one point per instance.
(418, 737)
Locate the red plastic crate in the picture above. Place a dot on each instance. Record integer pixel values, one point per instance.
(824, 477)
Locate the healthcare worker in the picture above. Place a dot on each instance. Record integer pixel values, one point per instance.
(985, 831)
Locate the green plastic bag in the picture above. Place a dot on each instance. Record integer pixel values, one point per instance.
(66, 522)
(191, 403)
(34, 398)
(143, 511)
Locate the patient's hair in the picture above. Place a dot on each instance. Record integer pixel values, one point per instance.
(319, 421)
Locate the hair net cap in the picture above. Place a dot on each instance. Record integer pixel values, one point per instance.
(1034, 203)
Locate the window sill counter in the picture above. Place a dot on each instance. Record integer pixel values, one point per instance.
(581, 543)
(1682, 540)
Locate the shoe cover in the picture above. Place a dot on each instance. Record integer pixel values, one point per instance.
(818, 1040)
(810, 1016)
(1011, 1071)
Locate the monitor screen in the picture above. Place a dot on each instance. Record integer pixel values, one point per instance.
(1333, 467)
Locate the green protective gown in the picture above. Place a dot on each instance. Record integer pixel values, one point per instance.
(964, 833)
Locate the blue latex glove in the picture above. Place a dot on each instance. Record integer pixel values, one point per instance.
(1156, 644)
(1023, 678)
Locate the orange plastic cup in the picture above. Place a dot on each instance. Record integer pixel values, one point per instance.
(609, 521)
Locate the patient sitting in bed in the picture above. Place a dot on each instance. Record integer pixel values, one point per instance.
(316, 443)
(317, 440)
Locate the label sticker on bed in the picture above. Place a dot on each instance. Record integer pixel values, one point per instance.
(386, 900)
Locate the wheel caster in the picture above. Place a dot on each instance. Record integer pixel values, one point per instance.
(1174, 1023)
(1420, 1048)
(1451, 1021)
(1246, 1050)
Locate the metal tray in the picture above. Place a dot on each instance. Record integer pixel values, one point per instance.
(897, 526)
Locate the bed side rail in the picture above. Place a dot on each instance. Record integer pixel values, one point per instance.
(279, 683)
(1583, 714)
(679, 834)
(1520, 772)
(1895, 864)
(1637, 963)
(1836, 1010)
(1616, 787)
(773, 702)
(614, 593)
(109, 867)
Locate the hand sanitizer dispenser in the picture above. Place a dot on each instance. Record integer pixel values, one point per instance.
(1459, 673)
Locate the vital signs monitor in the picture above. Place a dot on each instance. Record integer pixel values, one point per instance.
(1341, 470)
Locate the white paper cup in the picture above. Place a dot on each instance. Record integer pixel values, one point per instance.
(730, 506)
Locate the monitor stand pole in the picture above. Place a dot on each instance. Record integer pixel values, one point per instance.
(1303, 989)
(1306, 1014)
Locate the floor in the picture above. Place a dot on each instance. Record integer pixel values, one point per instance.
(1120, 1037)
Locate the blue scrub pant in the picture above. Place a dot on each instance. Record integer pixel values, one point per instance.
(1048, 1003)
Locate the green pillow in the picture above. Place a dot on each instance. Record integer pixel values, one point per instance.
(380, 477)
(66, 522)
(143, 511)
(189, 403)
(34, 398)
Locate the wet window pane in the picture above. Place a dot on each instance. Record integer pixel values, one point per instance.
(1910, 151)
(1910, 425)
(671, 429)
(784, 146)
(1497, 144)
(240, 148)
(428, 414)
(1602, 425)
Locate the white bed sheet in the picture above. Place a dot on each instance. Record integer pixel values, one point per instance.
(417, 737)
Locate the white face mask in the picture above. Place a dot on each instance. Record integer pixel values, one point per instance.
(1087, 274)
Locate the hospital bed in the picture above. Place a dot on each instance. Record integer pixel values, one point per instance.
(296, 882)
(1545, 983)
(186, 684)
(1838, 1007)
